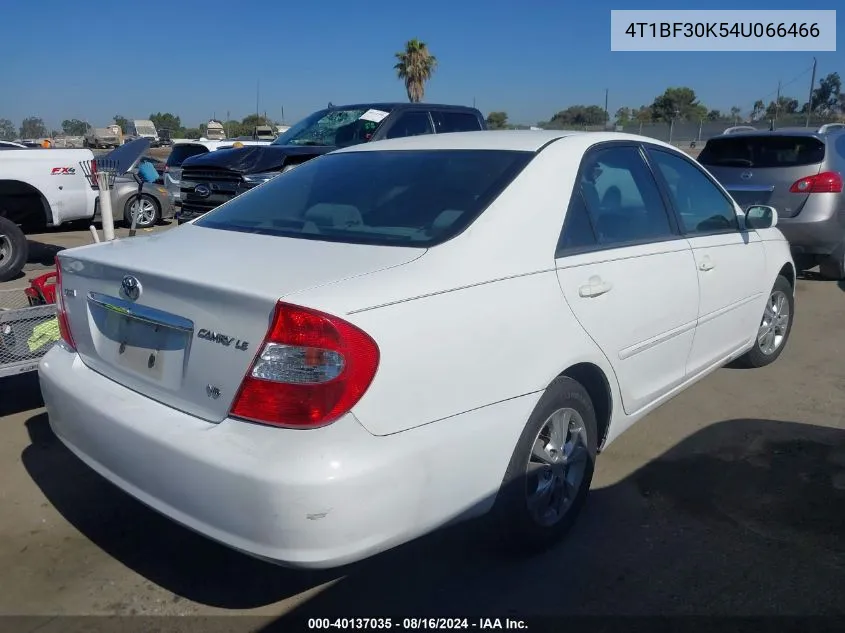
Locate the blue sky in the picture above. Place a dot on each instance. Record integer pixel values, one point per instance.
(194, 59)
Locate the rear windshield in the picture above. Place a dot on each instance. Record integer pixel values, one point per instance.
(182, 152)
(762, 151)
(403, 198)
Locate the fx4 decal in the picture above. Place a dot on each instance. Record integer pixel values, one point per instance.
(63, 171)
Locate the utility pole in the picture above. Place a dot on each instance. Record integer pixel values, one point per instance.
(606, 114)
(810, 100)
(227, 123)
(283, 115)
(257, 90)
(777, 103)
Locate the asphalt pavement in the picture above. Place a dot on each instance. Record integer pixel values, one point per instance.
(728, 500)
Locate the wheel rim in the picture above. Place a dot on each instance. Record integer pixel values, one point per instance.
(556, 467)
(775, 323)
(5, 247)
(145, 211)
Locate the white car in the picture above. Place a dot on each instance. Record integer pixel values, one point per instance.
(409, 333)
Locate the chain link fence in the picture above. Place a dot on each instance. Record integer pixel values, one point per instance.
(683, 133)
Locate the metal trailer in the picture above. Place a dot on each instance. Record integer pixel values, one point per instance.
(27, 332)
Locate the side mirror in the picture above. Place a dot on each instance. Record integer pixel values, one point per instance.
(760, 216)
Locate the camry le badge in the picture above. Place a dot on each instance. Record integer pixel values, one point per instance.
(746, 175)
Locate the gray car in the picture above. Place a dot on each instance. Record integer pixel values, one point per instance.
(797, 171)
(154, 203)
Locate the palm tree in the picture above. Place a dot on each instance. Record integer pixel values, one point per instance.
(415, 66)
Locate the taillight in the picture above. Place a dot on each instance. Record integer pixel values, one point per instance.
(61, 314)
(825, 182)
(311, 369)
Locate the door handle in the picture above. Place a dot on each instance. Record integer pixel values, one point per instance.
(594, 287)
(706, 265)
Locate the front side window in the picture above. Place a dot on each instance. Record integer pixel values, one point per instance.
(622, 198)
(702, 207)
(404, 198)
(412, 123)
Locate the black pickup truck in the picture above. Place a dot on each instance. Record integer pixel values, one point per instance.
(210, 179)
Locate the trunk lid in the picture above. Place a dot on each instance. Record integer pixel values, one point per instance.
(760, 169)
(200, 315)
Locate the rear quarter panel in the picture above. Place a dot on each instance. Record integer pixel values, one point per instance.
(449, 353)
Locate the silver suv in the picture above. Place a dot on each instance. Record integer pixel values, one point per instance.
(797, 171)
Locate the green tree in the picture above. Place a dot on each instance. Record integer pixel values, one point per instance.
(826, 96)
(735, 112)
(623, 116)
(74, 127)
(167, 121)
(577, 115)
(122, 121)
(642, 115)
(415, 66)
(233, 128)
(758, 111)
(33, 127)
(782, 107)
(191, 132)
(497, 120)
(7, 130)
(678, 103)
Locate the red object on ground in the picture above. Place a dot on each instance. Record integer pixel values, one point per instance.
(42, 289)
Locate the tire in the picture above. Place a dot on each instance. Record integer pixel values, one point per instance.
(14, 249)
(149, 218)
(514, 526)
(833, 266)
(778, 329)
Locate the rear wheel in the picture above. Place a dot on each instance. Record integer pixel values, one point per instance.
(14, 249)
(548, 478)
(147, 209)
(775, 326)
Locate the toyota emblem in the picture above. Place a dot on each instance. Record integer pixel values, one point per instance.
(131, 287)
(746, 175)
(203, 191)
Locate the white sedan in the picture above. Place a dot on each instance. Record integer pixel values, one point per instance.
(408, 333)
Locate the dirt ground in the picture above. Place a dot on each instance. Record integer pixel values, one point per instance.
(729, 500)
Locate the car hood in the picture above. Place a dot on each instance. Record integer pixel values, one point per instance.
(255, 158)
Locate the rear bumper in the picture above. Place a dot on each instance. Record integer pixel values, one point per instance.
(301, 498)
(815, 231)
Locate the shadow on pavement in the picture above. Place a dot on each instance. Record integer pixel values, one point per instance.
(20, 393)
(746, 517)
(809, 275)
(41, 253)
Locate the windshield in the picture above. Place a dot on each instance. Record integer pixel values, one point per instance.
(334, 128)
(404, 198)
(146, 130)
(762, 151)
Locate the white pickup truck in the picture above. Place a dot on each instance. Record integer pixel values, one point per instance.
(38, 188)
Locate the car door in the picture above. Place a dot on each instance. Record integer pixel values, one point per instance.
(730, 260)
(627, 274)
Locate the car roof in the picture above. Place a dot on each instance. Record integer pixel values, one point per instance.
(785, 131)
(514, 140)
(401, 105)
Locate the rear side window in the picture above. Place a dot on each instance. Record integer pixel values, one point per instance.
(762, 151)
(455, 122)
(403, 198)
(622, 198)
(182, 152)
